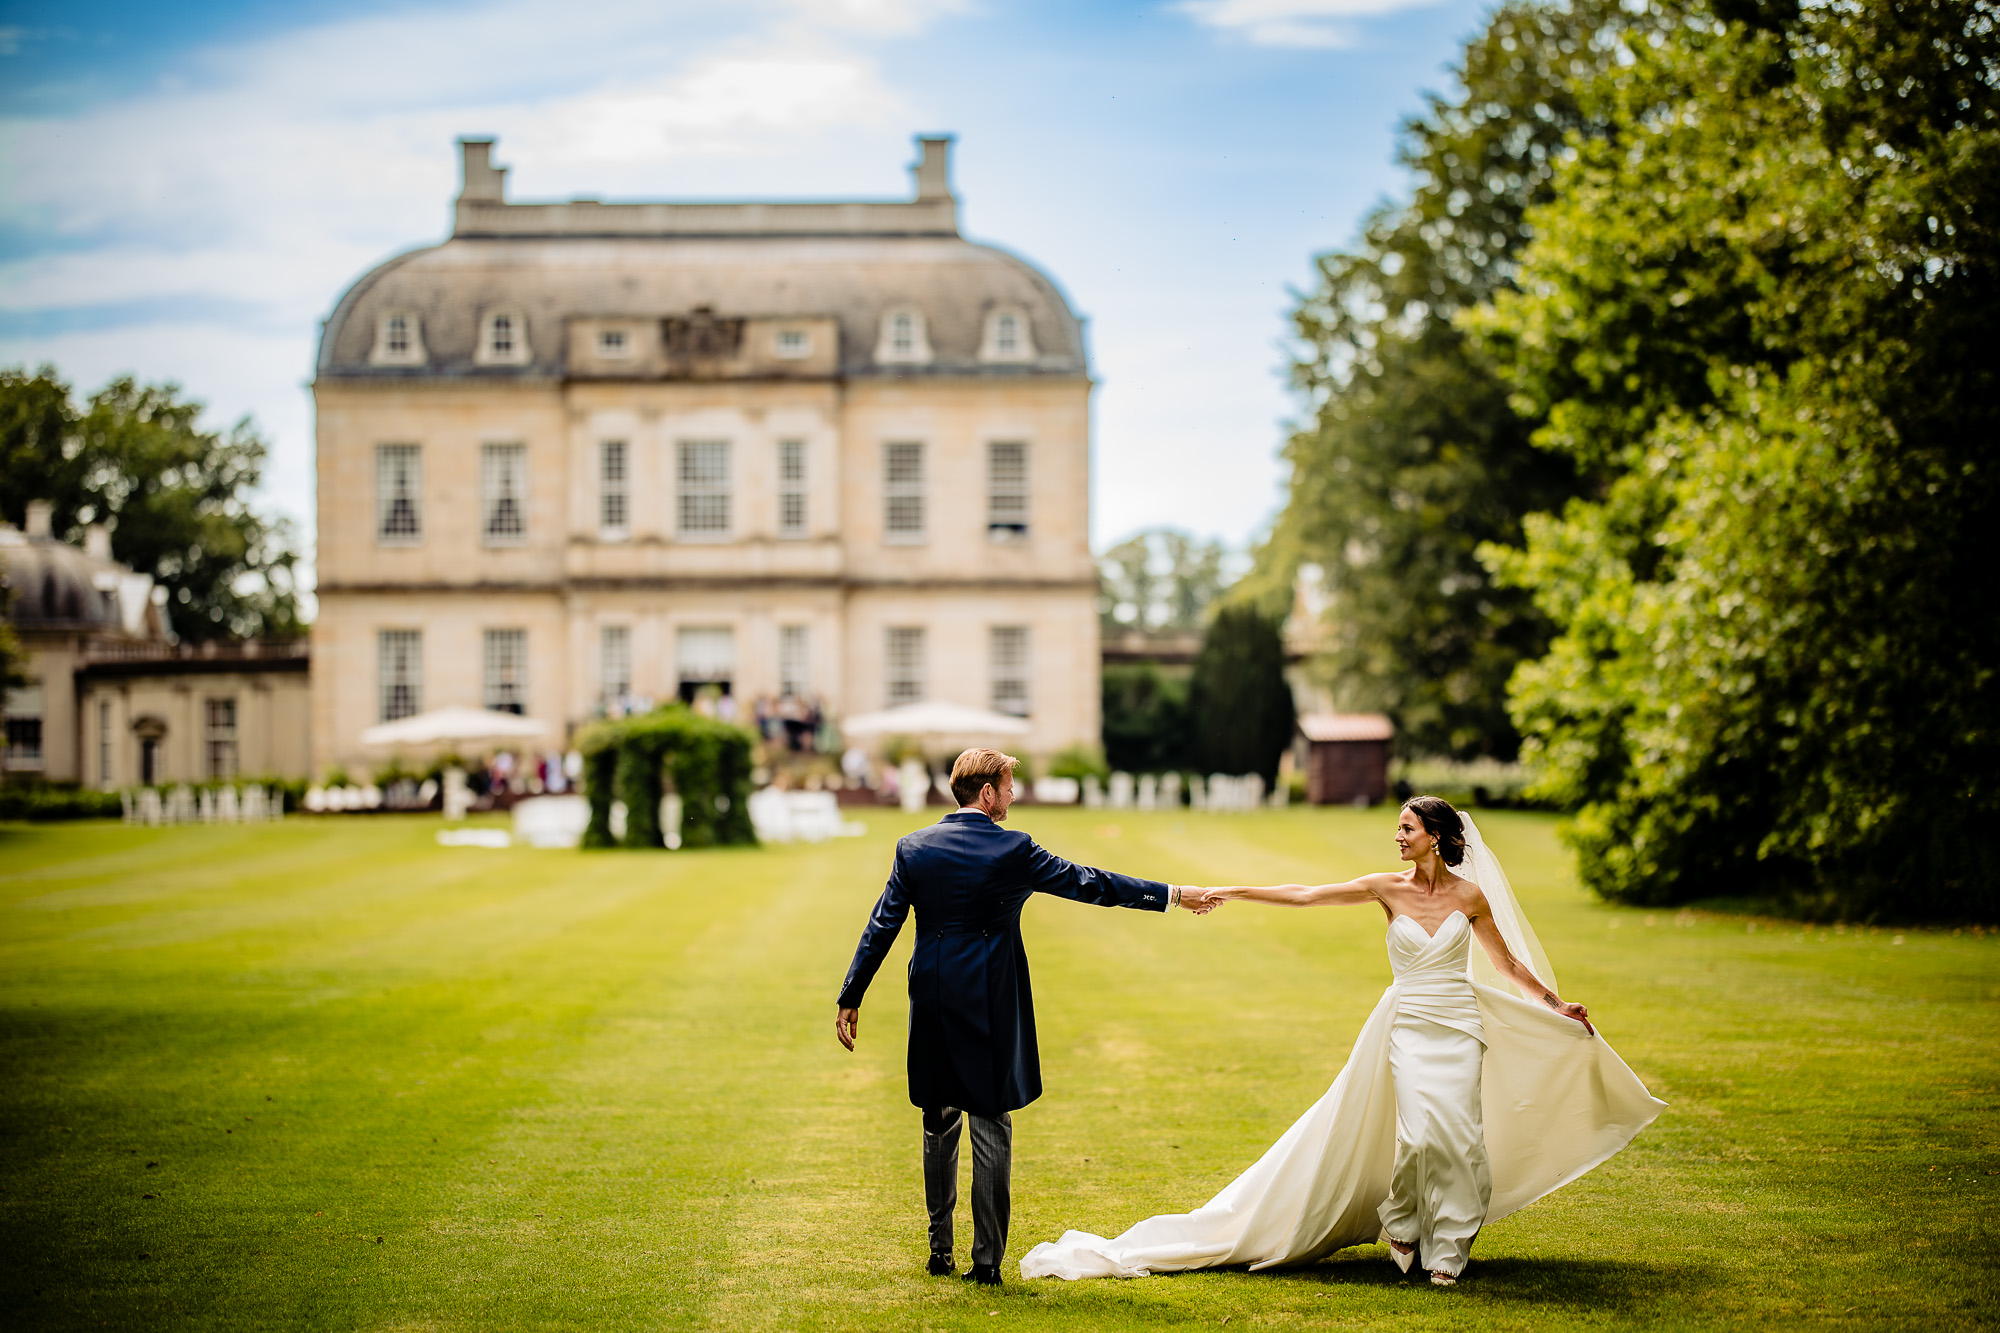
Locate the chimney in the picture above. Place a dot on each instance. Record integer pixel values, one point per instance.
(40, 516)
(483, 181)
(97, 541)
(933, 169)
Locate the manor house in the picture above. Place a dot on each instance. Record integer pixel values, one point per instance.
(584, 454)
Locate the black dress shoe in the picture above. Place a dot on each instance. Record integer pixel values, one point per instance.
(986, 1275)
(942, 1266)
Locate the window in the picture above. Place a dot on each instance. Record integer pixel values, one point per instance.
(903, 660)
(903, 340)
(1006, 490)
(791, 345)
(614, 666)
(903, 492)
(794, 661)
(503, 339)
(24, 726)
(399, 488)
(506, 661)
(791, 488)
(702, 470)
(104, 742)
(613, 345)
(1008, 337)
(1007, 668)
(504, 482)
(399, 672)
(399, 340)
(613, 496)
(219, 737)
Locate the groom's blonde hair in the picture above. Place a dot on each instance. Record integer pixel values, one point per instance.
(974, 769)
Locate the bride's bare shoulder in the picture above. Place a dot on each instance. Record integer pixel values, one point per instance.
(1472, 901)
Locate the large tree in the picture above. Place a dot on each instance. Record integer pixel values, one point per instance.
(1240, 710)
(1159, 579)
(1412, 455)
(176, 498)
(1762, 307)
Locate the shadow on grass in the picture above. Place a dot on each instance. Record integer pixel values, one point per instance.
(1603, 1284)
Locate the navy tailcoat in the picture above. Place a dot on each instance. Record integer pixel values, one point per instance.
(972, 1015)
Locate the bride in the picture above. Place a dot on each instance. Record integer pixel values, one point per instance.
(1459, 1104)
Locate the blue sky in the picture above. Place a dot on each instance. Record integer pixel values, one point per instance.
(185, 190)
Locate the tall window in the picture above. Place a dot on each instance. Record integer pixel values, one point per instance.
(794, 660)
(24, 726)
(104, 742)
(500, 342)
(702, 474)
(504, 483)
(903, 492)
(614, 665)
(506, 662)
(219, 737)
(613, 490)
(791, 488)
(1006, 490)
(903, 339)
(399, 340)
(399, 671)
(396, 335)
(399, 488)
(903, 659)
(503, 339)
(1007, 334)
(1007, 669)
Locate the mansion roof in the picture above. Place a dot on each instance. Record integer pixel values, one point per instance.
(694, 276)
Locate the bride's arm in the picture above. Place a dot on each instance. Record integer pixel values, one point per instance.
(1349, 894)
(1517, 972)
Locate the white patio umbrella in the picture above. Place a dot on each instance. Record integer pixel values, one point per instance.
(454, 725)
(934, 718)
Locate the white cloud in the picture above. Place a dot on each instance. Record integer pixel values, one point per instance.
(1305, 23)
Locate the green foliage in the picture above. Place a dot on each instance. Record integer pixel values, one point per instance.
(41, 801)
(1239, 702)
(1145, 714)
(1762, 308)
(176, 497)
(1080, 762)
(1412, 456)
(1160, 579)
(634, 759)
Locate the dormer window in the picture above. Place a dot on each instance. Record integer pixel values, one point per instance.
(613, 344)
(399, 340)
(1007, 337)
(503, 339)
(904, 341)
(791, 344)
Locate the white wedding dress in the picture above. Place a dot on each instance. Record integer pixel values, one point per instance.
(1460, 1103)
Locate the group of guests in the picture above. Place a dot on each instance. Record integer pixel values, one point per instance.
(792, 721)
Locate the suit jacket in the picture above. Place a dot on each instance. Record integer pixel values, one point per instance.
(972, 1015)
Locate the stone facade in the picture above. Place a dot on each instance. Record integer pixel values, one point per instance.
(581, 456)
(113, 701)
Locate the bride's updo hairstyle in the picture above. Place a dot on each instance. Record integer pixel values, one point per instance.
(1441, 821)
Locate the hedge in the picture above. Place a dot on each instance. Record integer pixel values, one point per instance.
(638, 760)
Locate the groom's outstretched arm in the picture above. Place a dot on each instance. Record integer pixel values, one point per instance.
(1049, 873)
(878, 936)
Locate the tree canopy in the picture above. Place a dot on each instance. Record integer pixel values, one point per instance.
(176, 498)
(1411, 456)
(1239, 703)
(1759, 309)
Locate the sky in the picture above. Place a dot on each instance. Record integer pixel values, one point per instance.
(185, 190)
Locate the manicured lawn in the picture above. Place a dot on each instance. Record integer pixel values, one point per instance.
(329, 1075)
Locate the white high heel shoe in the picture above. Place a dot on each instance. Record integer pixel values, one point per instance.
(1442, 1279)
(1402, 1257)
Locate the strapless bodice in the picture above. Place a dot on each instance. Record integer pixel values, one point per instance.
(1431, 977)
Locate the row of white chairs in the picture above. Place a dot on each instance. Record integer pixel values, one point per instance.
(249, 804)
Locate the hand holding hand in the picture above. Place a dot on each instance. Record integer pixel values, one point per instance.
(846, 1024)
(1200, 901)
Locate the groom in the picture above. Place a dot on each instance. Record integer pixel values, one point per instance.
(972, 1019)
